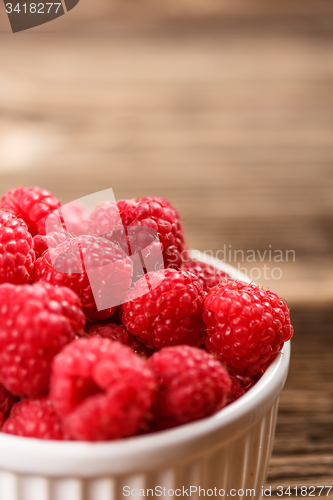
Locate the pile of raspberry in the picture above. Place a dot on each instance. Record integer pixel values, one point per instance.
(95, 357)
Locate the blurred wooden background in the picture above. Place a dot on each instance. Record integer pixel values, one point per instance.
(226, 109)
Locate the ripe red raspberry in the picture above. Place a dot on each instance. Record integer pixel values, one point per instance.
(113, 331)
(207, 274)
(36, 322)
(6, 401)
(236, 390)
(94, 268)
(193, 385)
(168, 314)
(246, 326)
(151, 212)
(52, 240)
(246, 382)
(101, 389)
(75, 218)
(33, 205)
(17, 256)
(66, 223)
(34, 418)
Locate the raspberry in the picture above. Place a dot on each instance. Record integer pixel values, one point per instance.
(6, 401)
(113, 331)
(94, 268)
(33, 205)
(168, 314)
(208, 275)
(246, 326)
(150, 212)
(75, 217)
(36, 322)
(52, 240)
(236, 390)
(101, 389)
(246, 382)
(105, 219)
(193, 385)
(17, 256)
(72, 216)
(34, 418)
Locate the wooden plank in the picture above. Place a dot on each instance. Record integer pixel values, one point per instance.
(303, 450)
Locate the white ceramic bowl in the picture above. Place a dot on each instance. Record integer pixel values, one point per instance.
(228, 451)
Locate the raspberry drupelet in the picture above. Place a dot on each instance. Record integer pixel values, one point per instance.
(169, 313)
(17, 256)
(36, 322)
(85, 262)
(101, 389)
(33, 205)
(207, 274)
(34, 418)
(193, 385)
(246, 326)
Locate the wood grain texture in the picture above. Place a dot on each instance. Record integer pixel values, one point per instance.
(303, 450)
(226, 109)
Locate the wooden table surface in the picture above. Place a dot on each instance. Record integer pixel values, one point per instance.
(227, 111)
